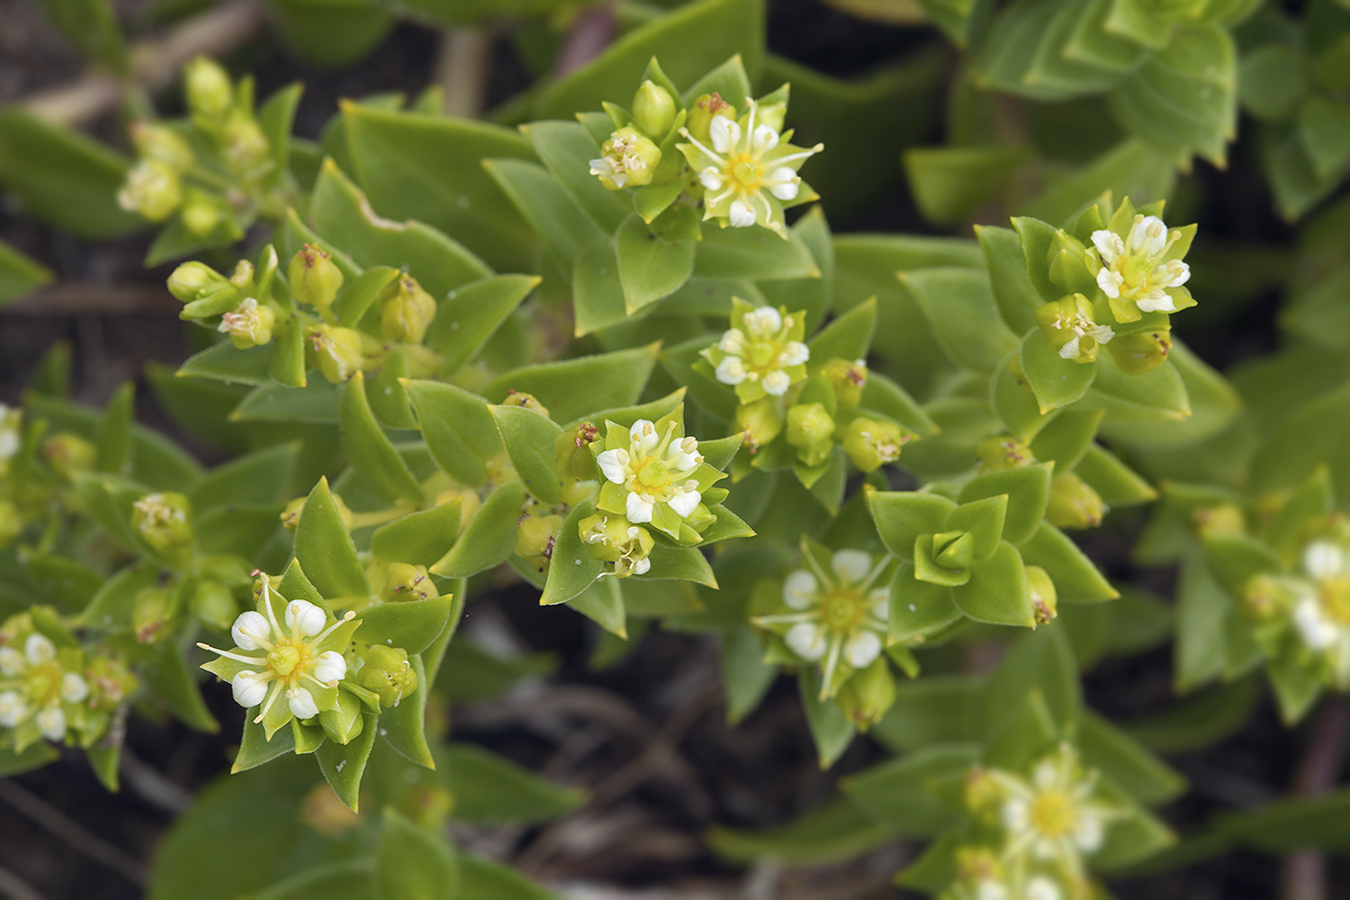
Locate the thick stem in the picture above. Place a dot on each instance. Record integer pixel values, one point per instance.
(1304, 875)
(591, 33)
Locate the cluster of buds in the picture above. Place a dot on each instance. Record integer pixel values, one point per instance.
(1043, 828)
(217, 196)
(632, 156)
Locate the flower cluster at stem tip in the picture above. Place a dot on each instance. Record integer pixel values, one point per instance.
(762, 353)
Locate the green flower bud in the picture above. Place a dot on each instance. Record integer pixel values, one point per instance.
(152, 611)
(245, 144)
(250, 325)
(759, 422)
(954, 549)
(69, 455)
(335, 351)
(871, 443)
(1072, 269)
(314, 278)
(404, 581)
(1044, 597)
(201, 213)
(627, 159)
(387, 672)
(521, 398)
(209, 92)
(152, 189)
(162, 144)
(867, 696)
(290, 516)
(653, 110)
(1223, 519)
(242, 276)
(1266, 597)
(977, 865)
(1073, 503)
(535, 538)
(193, 280)
(164, 520)
(11, 523)
(848, 379)
(572, 454)
(214, 604)
(701, 114)
(1141, 351)
(809, 429)
(110, 683)
(344, 721)
(405, 311)
(1070, 330)
(1002, 453)
(982, 795)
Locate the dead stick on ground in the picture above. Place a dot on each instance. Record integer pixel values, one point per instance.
(55, 821)
(154, 63)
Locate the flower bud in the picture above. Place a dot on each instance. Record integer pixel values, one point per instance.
(69, 455)
(848, 380)
(152, 189)
(1224, 518)
(521, 398)
(701, 114)
(250, 325)
(809, 429)
(871, 443)
(759, 423)
(627, 159)
(1141, 351)
(404, 581)
(110, 682)
(192, 280)
(535, 538)
(242, 276)
(290, 516)
(343, 722)
(1266, 597)
(572, 453)
(153, 609)
(981, 794)
(867, 696)
(1073, 503)
(335, 351)
(245, 144)
(653, 110)
(405, 311)
(1044, 597)
(214, 604)
(1071, 268)
(388, 673)
(201, 213)
(999, 454)
(162, 144)
(314, 278)
(164, 520)
(209, 93)
(11, 523)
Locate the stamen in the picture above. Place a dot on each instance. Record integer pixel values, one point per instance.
(831, 663)
(271, 613)
(684, 132)
(323, 634)
(791, 157)
(271, 698)
(252, 661)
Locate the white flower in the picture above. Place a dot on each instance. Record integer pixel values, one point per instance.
(747, 172)
(762, 354)
(249, 324)
(655, 469)
(35, 683)
(1133, 268)
(13, 708)
(51, 723)
(835, 614)
(39, 649)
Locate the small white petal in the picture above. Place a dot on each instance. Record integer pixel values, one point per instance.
(777, 382)
(1110, 282)
(800, 589)
(302, 703)
(881, 603)
(731, 370)
(783, 183)
(73, 688)
(247, 627)
(9, 443)
(613, 465)
(52, 723)
(740, 215)
(684, 455)
(763, 322)
(1016, 815)
(795, 353)
(1046, 776)
(249, 688)
(711, 179)
(1157, 301)
(1323, 560)
(991, 890)
(330, 667)
(13, 709)
(764, 139)
(685, 502)
(11, 661)
(807, 640)
(644, 437)
(1148, 236)
(1316, 630)
(1109, 246)
(39, 649)
(638, 508)
(732, 342)
(1102, 334)
(862, 648)
(1042, 888)
(725, 134)
(1070, 349)
(1177, 273)
(1088, 833)
(305, 617)
(851, 566)
(642, 566)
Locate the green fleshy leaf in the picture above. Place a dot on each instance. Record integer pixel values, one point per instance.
(458, 428)
(369, 450)
(490, 536)
(471, 314)
(419, 538)
(325, 549)
(414, 862)
(1028, 490)
(960, 307)
(997, 591)
(529, 440)
(344, 764)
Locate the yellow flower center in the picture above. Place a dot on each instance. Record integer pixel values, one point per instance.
(745, 172)
(44, 683)
(842, 610)
(289, 659)
(1334, 594)
(1052, 813)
